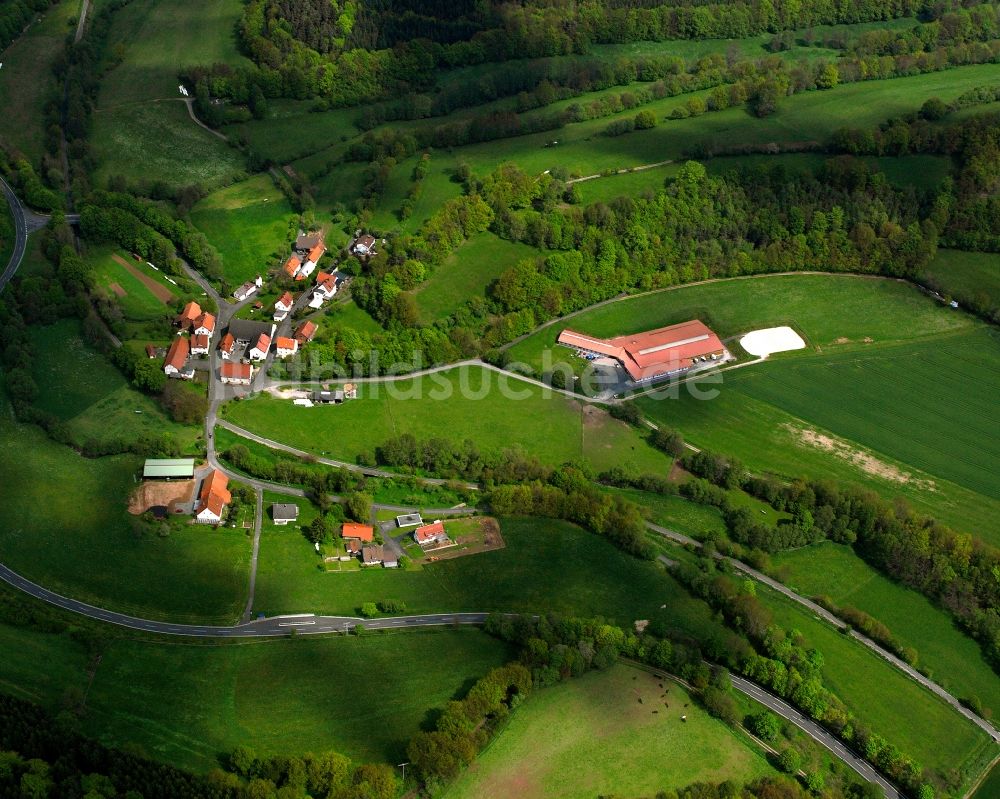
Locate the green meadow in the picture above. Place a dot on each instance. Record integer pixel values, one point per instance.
(973, 275)
(879, 696)
(459, 404)
(93, 398)
(467, 273)
(249, 223)
(286, 696)
(27, 82)
(141, 129)
(546, 564)
(614, 731)
(70, 531)
(889, 417)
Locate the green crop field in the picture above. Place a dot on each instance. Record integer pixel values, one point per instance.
(879, 696)
(364, 697)
(613, 732)
(70, 531)
(291, 130)
(885, 417)
(249, 223)
(93, 397)
(548, 425)
(953, 660)
(966, 274)
(27, 81)
(990, 787)
(550, 565)
(467, 273)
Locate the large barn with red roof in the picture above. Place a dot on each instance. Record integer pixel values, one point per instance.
(655, 354)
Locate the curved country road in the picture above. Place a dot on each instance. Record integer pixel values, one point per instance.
(311, 624)
(20, 234)
(837, 622)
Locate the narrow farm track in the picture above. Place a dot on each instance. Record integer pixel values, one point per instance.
(830, 618)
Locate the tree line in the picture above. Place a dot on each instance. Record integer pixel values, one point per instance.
(955, 570)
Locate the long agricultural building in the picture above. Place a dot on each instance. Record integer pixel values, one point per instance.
(655, 354)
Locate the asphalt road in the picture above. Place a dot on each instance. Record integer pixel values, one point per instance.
(816, 732)
(274, 626)
(20, 234)
(312, 624)
(830, 618)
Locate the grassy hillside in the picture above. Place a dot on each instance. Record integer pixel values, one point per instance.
(27, 82)
(888, 418)
(463, 403)
(966, 274)
(70, 531)
(249, 224)
(608, 732)
(467, 273)
(364, 697)
(141, 129)
(546, 564)
(93, 397)
(952, 659)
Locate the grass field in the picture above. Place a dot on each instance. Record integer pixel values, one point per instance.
(138, 303)
(69, 531)
(27, 82)
(954, 660)
(966, 274)
(825, 309)
(592, 737)
(93, 397)
(467, 273)
(157, 141)
(364, 697)
(546, 564)
(880, 696)
(463, 403)
(248, 223)
(141, 130)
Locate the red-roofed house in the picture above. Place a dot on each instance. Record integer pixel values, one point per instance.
(177, 356)
(236, 373)
(259, 350)
(312, 259)
(227, 346)
(283, 347)
(433, 533)
(326, 284)
(292, 266)
(200, 345)
(205, 325)
(304, 333)
(150, 351)
(187, 317)
(283, 306)
(362, 532)
(213, 498)
(656, 354)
